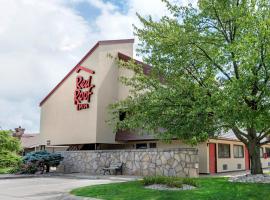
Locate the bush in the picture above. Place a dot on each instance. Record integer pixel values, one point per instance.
(169, 181)
(40, 161)
(29, 168)
(9, 159)
(9, 149)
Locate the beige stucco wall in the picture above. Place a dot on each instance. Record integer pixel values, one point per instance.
(107, 88)
(203, 158)
(62, 124)
(231, 162)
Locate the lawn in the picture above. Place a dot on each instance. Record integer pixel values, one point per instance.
(209, 189)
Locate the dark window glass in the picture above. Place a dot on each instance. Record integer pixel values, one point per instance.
(224, 151)
(122, 115)
(153, 145)
(141, 146)
(238, 151)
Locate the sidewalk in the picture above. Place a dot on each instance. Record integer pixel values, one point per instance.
(231, 174)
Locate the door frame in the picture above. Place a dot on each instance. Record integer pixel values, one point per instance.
(212, 158)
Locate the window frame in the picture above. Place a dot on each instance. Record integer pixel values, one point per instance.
(219, 149)
(238, 145)
(141, 146)
(152, 145)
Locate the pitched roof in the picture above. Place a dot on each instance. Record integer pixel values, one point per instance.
(146, 67)
(30, 140)
(104, 42)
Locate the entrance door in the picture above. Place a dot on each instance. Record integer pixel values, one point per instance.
(212, 158)
(247, 160)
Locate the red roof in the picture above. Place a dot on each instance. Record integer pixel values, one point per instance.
(104, 42)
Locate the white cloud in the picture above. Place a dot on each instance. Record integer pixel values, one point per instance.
(42, 40)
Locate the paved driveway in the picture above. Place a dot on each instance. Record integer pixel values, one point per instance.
(46, 187)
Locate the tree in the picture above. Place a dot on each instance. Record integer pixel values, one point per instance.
(40, 161)
(209, 73)
(9, 149)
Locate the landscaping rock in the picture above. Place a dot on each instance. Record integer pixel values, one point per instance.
(259, 178)
(165, 187)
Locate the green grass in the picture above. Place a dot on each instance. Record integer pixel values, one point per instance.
(5, 170)
(209, 189)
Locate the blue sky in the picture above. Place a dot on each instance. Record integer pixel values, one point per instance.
(40, 41)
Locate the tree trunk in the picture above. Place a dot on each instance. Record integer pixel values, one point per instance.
(254, 153)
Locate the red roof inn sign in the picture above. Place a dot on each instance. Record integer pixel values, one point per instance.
(84, 87)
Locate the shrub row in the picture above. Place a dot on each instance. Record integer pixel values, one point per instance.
(169, 181)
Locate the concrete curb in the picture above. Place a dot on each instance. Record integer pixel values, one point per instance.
(69, 176)
(11, 176)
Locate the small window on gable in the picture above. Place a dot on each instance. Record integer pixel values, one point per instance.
(122, 115)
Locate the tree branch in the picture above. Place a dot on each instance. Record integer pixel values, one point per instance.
(240, 135)
(223, 31)
(211, 60)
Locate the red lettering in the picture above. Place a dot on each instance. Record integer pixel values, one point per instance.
(81, 83)
(83, 92)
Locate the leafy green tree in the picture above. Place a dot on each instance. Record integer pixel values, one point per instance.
(9, 149)
(209, 73)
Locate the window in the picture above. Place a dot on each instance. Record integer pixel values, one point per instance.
(261, 152)
(141, 146)
(224, 151)
(153, 145)
(238, 151)
(267, 151)
(122, 115)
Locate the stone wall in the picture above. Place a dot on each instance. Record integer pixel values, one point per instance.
(182, 162)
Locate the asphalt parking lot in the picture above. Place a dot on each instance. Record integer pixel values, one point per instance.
(41, 188)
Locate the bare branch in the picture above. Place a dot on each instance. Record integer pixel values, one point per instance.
(211, 60)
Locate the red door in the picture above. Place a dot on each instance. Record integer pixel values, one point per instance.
(247, 160)
(212, 158)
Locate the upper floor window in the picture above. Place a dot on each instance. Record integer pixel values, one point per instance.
(122, 115)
